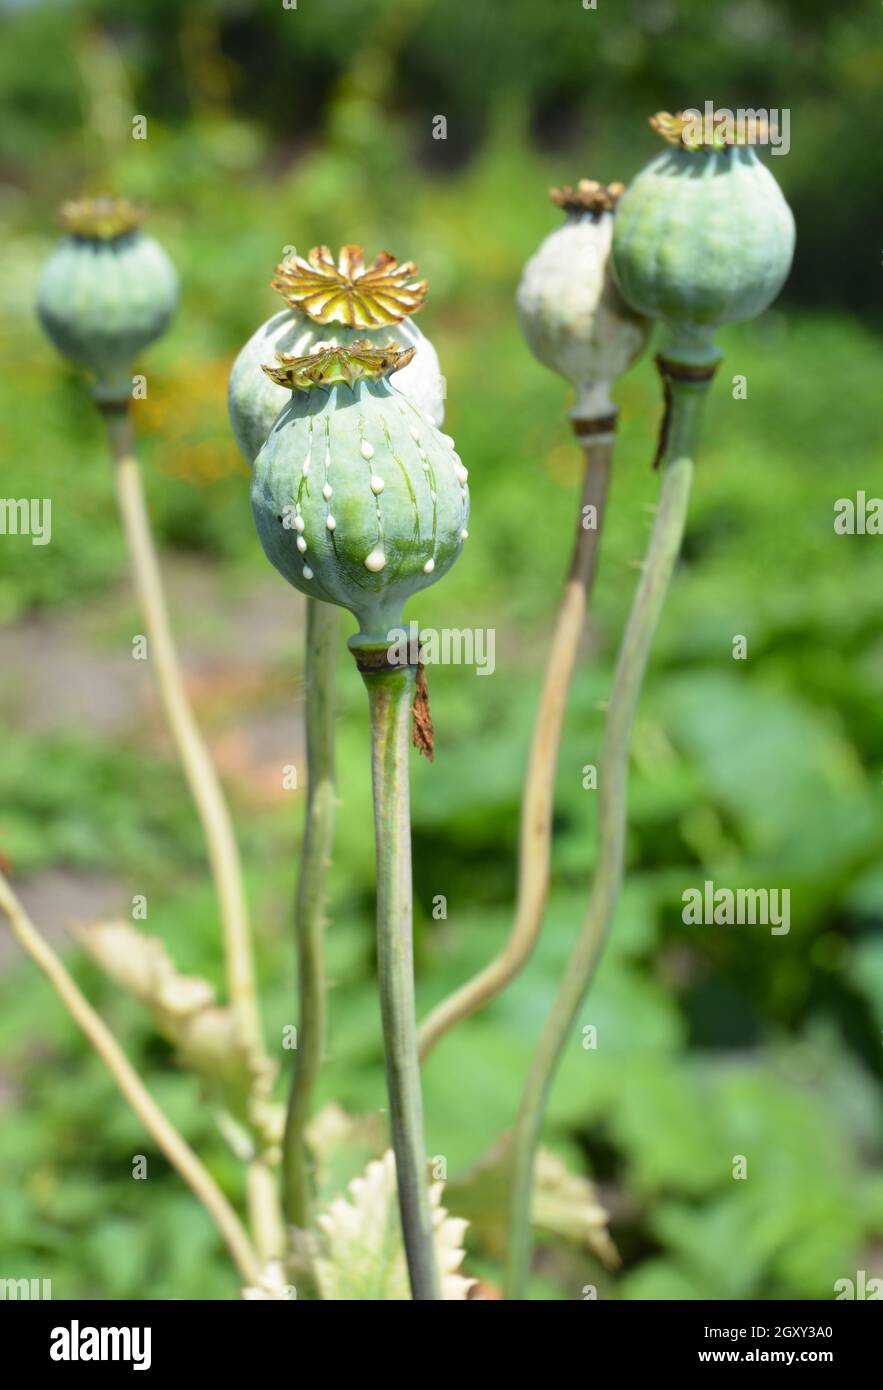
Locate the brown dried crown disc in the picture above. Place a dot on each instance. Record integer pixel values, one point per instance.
(103, 218)
(587, 196)
(348, 291)
(327, 364)
(694, 130)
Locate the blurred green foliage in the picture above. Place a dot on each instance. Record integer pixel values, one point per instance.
(257, 84)
(267, 126)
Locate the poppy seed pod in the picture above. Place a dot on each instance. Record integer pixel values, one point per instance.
(106, 292)
(337, 304)
(357, 497)
(571, 312)
(703, 237)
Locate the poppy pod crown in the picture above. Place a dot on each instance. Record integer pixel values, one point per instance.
(349, 292)
(337, 302)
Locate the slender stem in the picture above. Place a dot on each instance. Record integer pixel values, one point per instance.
(264, 1208)
(176, 1149)
(662, 552)
(201, 775)
(389, 696)
(197, 763)
(322, 623)
(535, 836)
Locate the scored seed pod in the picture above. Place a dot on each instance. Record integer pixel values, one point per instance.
(337, 304)
(571, 312)
(106, 292)
(703, 237)
(359, 499)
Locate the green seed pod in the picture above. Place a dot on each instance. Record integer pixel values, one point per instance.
(702, 237)
(357, 497)
(337, 304)
(571, 312)
(106, 292)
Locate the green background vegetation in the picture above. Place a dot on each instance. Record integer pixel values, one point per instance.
(268, 127)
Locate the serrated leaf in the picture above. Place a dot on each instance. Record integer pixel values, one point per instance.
(360, 1254)
(183, 1007)
(565, 1204)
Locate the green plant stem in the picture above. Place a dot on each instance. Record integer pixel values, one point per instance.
(205, 788)
(161, 1130)
(390, 694)
(662, 553)
(537, 803)
(322, 624)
